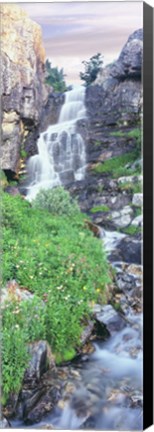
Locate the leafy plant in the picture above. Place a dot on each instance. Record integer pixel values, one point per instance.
(55, 77)
(56, 201)
(92, 68)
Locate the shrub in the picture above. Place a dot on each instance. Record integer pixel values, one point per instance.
(57, 201)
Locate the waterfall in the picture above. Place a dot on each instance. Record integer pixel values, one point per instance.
(61, 154)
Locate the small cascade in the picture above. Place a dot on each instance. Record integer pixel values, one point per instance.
(61, 154)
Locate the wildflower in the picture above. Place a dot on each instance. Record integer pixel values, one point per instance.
(98, 290)
(84, 288)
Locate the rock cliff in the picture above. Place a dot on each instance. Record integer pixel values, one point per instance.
(22, 83)
(115, 96)
(113, 142)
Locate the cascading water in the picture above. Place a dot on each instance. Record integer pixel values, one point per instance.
(61, 154)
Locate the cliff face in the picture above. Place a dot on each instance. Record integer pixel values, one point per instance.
(116, 94)
(22, 83)
(112, 130)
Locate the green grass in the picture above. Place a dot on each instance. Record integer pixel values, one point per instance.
(131, 187)
(59, 260)
(101, 208)
(117, 165)
(132, 230)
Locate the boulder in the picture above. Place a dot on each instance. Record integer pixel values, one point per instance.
(122, 218)
(4, 423)
(111, 319)
(41, 359)
(137, 200)
(128, 250)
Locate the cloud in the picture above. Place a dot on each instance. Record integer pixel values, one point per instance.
(74, 31)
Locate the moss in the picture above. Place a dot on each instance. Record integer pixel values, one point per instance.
(101, 208)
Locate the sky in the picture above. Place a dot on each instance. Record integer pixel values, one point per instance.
(75, 31)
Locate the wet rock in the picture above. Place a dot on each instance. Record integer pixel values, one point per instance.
(87, 332)
(128, 250)
(111, 319)
(137, 200)
(125, 282)
(41, 359)
(44, 406)
(4, 423)
(67, 177)
(138, 221)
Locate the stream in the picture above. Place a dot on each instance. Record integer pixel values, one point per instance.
(108, 392)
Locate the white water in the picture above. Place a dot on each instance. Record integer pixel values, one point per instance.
(110, 239)
(61, 154)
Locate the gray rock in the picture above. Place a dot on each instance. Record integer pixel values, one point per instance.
(137, 200)
(138, 221)
(122, 218)
(22, 83)
(130, 179)
(128, 250)
(111, 319)
(41, 357)
(4, 423)
(125, 282)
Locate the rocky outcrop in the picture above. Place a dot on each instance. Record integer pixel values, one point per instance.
(22, 83)
(116, 94)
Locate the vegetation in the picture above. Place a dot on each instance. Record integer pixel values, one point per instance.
(92, 68)
(57, 201)
(58, 260)
(101, 208)
(3, 179)
(55, 77)
(133, 133)
(117, 165)
(135, 187)
(132, 230)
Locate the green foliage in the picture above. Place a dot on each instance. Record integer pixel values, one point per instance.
(134, 133)
(92, 68)
(57, 201)
(138, 211)
(55, 77)
(117, 165)
(23, 153)
(59, 260)
(131, 187)
(132, 230)
(27, 322)
(101, 208)
(3, 179)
